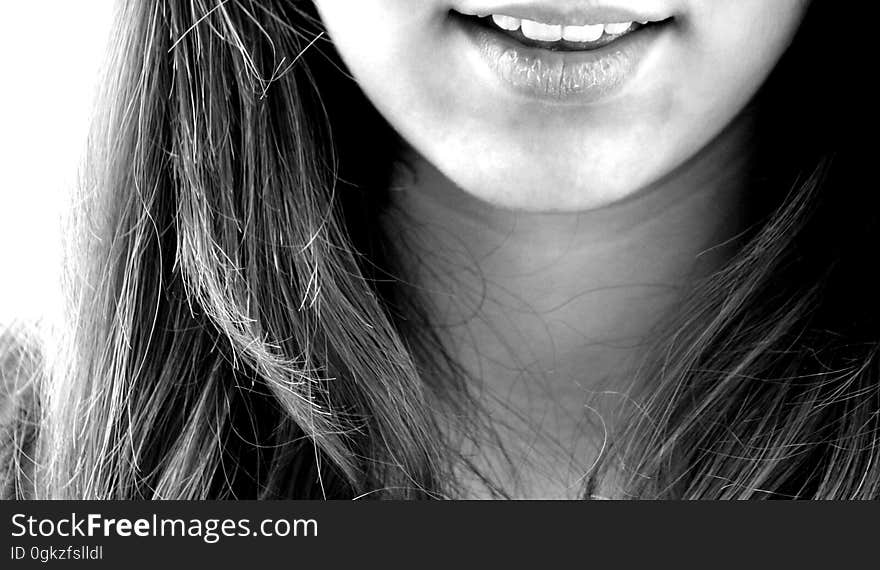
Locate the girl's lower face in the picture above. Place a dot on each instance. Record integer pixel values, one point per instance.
(559, 105)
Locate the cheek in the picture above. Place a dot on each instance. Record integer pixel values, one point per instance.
(726, 51)
(376, 35)
(384, 45)
(732, 46)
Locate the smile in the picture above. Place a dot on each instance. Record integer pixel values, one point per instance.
(558, 57)
(564, 37)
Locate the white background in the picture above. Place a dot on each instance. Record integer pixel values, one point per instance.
(51, 52)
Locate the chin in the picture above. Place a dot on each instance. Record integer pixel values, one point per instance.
(509, 186)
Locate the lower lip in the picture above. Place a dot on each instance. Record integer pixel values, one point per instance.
(562, 76)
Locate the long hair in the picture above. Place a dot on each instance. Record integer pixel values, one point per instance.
(227, 338)
(235, 330)
(766, 383)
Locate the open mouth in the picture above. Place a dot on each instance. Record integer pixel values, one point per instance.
(554, 56)
(560, 37)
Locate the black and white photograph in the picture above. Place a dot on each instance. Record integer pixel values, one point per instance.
(465, 250)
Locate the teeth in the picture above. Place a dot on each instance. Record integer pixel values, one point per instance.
(555, 32)
(506, 22)
(614, 29)
(541, 32)
(583, 33)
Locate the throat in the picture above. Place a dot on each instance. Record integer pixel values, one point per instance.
(548, 316)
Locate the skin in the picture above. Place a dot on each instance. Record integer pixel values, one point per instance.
(548, 239)
(420, 72)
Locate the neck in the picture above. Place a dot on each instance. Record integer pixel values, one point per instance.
(548, 314)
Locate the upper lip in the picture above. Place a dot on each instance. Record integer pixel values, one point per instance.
(570, 12)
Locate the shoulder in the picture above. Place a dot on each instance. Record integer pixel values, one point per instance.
(20, 369)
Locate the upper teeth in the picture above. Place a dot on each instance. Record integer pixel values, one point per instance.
(555, 32)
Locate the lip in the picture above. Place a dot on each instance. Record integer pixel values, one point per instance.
(561, 76)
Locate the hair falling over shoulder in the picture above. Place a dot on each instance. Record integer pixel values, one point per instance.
(225, 341)
(233, 330)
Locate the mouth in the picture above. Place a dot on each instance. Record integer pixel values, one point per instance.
(564, 58)
(559, 37)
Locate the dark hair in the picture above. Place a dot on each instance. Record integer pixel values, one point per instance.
(767, 384)
(236, 330)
